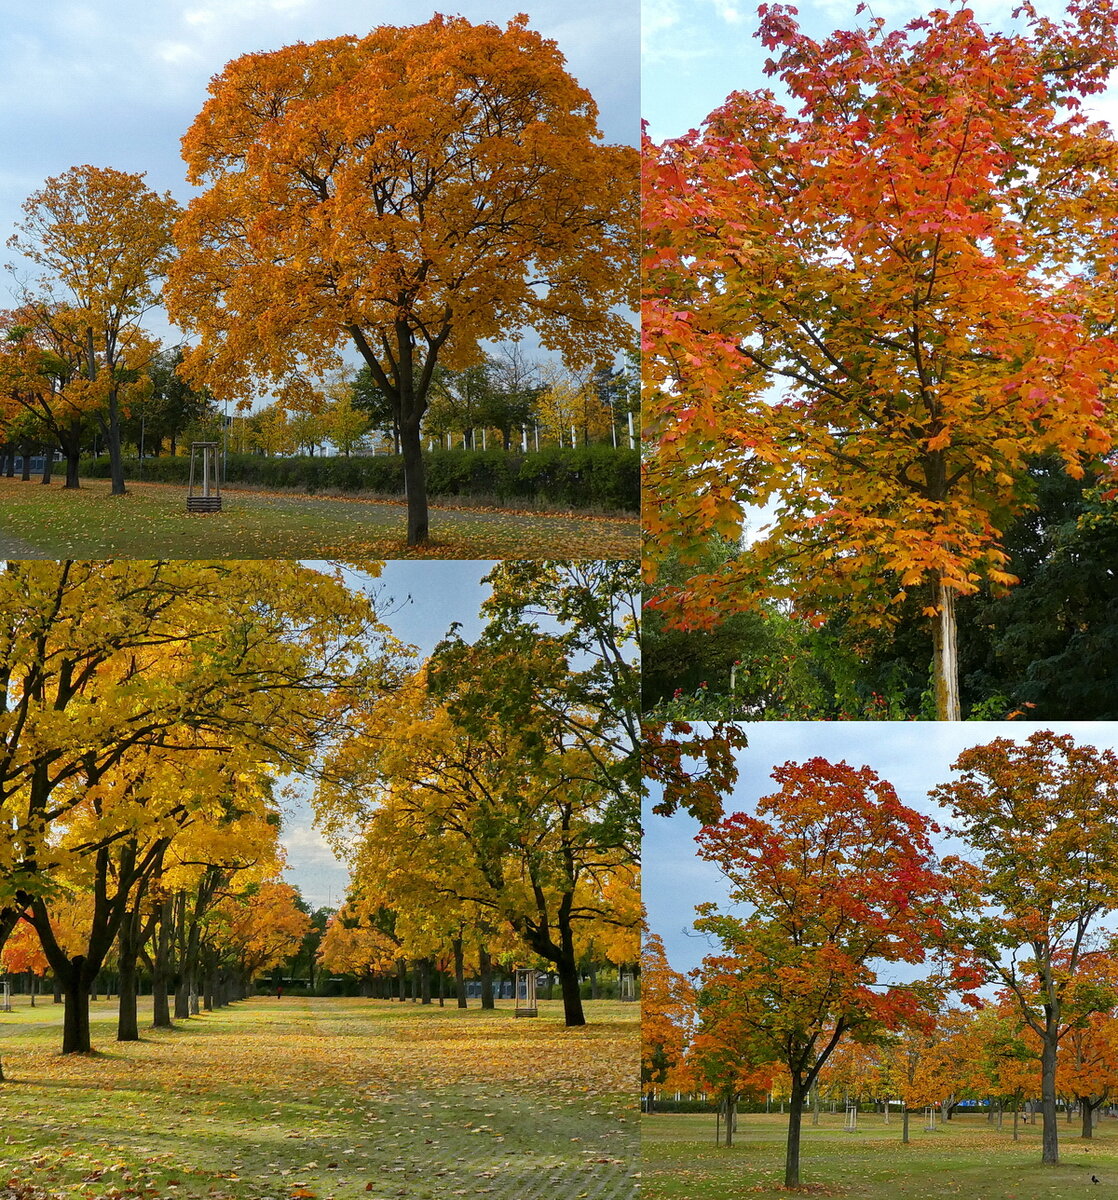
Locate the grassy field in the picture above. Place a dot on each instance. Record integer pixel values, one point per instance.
(964, 1158)
(152, 522)
(329, 1098)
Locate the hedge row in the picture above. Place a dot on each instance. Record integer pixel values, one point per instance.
(597, 477)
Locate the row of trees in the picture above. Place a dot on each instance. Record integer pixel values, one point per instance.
(870, 315)
(494, 796)
(506, 401)
(146, 708)
(989, 1058)
(840, 880)
(466, 197)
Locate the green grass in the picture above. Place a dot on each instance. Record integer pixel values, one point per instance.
(270, 1100)
(152, 522)
(964, 1158)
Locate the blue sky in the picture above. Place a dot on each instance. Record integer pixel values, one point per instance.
(914, 756)
(694, 53)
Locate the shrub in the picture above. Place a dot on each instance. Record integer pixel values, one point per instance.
(598, 477)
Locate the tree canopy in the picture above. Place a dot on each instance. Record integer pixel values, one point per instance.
(412, 193)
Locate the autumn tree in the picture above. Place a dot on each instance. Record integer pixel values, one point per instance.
(413, 193)
(872, 314)
(43, 373)
(103, 239)
(102, 660)
(265, 927)
(1042, 817)
(840, 879)
(524, 821)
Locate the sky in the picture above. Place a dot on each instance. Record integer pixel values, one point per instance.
(914, 756)
(419, 601)
(694, 53)
(118, 84)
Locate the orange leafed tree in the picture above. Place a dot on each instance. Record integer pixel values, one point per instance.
(103, 239)
(667, 1014)
(1041, 820)
(409, 193)
(840, 879)
(872, 315)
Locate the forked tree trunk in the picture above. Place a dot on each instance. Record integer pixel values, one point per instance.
(945, 669)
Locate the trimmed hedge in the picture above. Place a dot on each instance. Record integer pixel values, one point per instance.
(595, 477)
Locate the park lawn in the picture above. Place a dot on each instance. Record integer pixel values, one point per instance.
(329, 1098)
(964, 1158)
(152, 522)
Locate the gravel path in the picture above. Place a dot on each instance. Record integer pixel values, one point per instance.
(11, 547)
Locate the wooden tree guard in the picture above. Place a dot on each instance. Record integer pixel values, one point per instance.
(208, 499)
(526, 992)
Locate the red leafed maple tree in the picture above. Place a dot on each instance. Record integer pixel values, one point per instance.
(412, 193)
(873, 314)
(839, 877)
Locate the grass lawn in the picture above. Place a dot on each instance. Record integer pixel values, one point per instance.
(298, 1098)
(152, 522)
(964, 1158)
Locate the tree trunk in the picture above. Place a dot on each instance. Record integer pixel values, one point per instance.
(1087, 1109)
(904, 1125)
(415, 483)
(127, 1025)
(572, 997)
(160, 972)
(48, 464)
(730, 1106)
(1050, 1149)
(112, 437)
(73, 459)
(425, 981)
(792, 1152)
(75, 1017)
(485, 969)
(945, 671)
(459, 973)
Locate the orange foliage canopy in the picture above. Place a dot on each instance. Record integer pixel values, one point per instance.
(840, 878)
(873, 315)
(411, 192)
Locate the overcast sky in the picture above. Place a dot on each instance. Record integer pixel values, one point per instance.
(914, 756)
(419, 601)
(694, 53)
(118, 84)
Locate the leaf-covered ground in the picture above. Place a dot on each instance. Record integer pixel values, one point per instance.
(967, 1158)
(152, 522)
(297, 1099)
